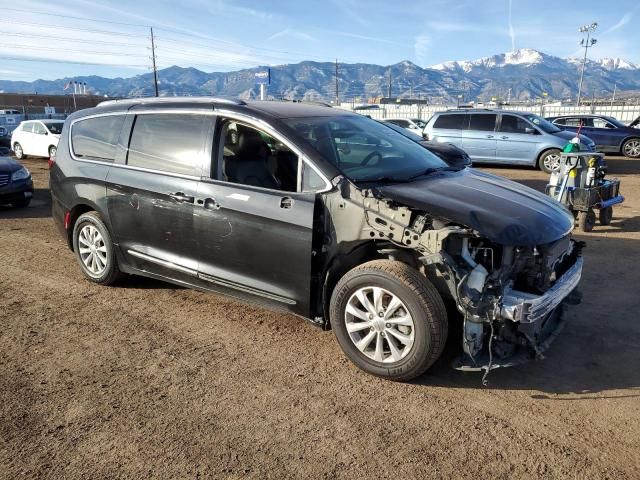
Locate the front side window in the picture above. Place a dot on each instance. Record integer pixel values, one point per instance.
(249, 156)
(484, 122)
(174, 143)
(513, 124)
(54, 127)
(544, 125)
(27, 127)
(97, 137)
(365, 150)
(602, 123)
(39, 129)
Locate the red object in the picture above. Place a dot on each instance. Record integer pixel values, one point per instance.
(51, 162)
(67, 220)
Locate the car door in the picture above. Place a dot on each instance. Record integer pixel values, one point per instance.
(40, 140)
(517, 140)
(448, 127)
(26, 138)
(255, 223)
(479, 139)
(152, 196)
(604, 133)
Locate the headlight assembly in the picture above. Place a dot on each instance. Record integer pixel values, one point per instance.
(21, 174)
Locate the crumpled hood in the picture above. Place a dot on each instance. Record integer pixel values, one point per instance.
(501, 210)
(9, 165)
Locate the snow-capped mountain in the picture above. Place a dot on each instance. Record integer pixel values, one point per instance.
(521, 74)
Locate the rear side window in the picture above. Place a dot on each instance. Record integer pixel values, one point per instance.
(169, 142)
(484, 122)
(451, 122)
(513, 124)
(39, 129)
(97, 137)
(27, 127)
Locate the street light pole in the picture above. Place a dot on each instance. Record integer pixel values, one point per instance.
(586, 43)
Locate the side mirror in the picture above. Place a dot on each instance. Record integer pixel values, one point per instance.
(530, 131)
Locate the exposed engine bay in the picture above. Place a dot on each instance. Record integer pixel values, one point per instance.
(510, 297)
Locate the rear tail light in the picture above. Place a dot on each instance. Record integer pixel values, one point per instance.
(67, 220)
(51, 162)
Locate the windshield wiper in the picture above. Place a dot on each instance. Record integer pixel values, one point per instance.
(431, 170)
(383, 179)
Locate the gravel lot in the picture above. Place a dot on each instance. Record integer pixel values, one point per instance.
(148, 380)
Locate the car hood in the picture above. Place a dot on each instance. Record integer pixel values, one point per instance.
(9, 165)
(501, 210)
(567, 135)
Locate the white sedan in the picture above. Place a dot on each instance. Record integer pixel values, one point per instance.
(412, 125)
(38, 138)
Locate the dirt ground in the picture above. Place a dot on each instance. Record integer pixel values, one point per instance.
(148, 380)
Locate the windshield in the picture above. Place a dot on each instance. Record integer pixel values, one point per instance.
(615, 121)
(364, 150)
(544, 125)
(54, 127)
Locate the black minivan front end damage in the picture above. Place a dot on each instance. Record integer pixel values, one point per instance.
(501, 251)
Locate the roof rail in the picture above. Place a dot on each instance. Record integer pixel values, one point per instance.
(466, 109)
(147, 100)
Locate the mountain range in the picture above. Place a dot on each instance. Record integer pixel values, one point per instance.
(519, 75)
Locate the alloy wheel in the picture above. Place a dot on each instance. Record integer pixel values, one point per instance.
(379, 324)
(632, 148)
(92, 250)
(17, 149)
(552, 162)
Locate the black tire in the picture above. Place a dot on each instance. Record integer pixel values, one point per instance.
(423, 303)
(24, 203)
(631, 148)
(586, 220)
(547, 159)
(111, 273)
(18, 152)
(605, 215)
(52, 151)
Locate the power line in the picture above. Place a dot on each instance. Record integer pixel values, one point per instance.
(88, 52)
(49, 14)
(77, 29)
(69, 39)
(73, 62)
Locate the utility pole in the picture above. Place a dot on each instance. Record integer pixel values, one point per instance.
(337, 93)
(587, 43)
(389, 86)
(153, 59)
(613, 98)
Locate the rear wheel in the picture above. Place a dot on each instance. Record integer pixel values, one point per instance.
(389, 319)
(631, 148)
(94, 249)
(549, 160)
(17, 150)
(605, 214)
(586, 220)
(52, 151)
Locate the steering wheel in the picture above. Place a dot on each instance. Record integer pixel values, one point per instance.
(368, 158)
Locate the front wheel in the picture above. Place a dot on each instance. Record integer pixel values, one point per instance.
(549, 161)
(52, 151)
(389, 319)
(586, 220)
(94, 249)
(606, 215)
(631, 148)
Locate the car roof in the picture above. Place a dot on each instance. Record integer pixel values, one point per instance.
(276, 108)
(482, 110)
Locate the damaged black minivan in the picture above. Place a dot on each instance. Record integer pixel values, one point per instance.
(321, 212)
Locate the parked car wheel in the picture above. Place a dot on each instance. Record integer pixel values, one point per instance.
(52, 151)
(549, 160)
(631, 148)
(24, 203)
(389, 319)
(586, 220)
(17, 150)
(605, 214)
(94, 250)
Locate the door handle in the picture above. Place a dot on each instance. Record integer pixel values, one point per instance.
(181, 197)
(286, 202)
(489, 136)
(211, 204)
(504, 137)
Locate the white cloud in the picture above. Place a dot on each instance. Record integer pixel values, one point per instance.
(287, 32)
(421, 46)
(626, 18)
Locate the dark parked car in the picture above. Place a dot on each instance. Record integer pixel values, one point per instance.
(5, 137)
(320, 212)
(16, 185)
(609, 134)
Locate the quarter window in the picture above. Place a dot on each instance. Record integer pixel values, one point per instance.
(173, 143)
(27, 127)
(97, 137)
(484, 122)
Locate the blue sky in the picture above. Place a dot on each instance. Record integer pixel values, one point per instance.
(44, 39)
